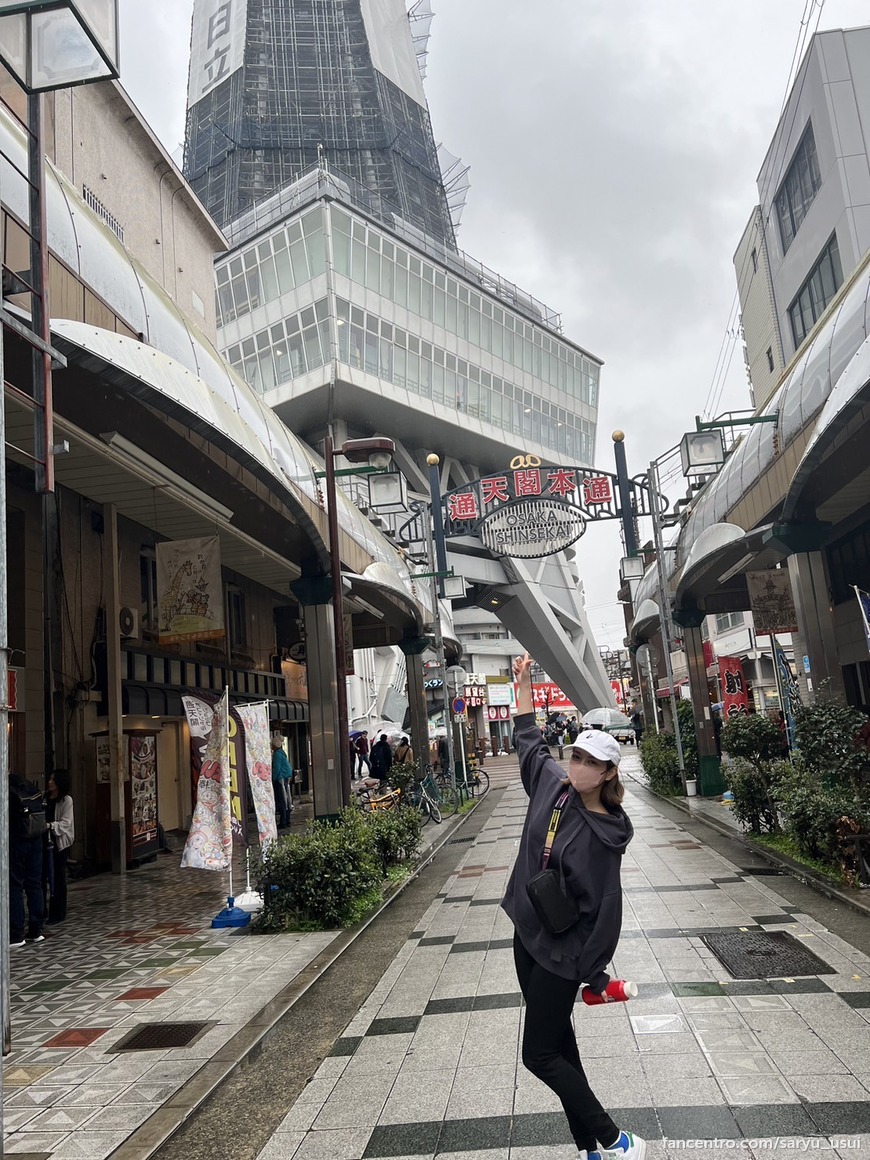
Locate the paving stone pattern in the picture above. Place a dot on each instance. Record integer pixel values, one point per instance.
(700, 1065)
(430, 1064)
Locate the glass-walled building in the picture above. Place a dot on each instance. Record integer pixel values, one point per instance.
(394, 313)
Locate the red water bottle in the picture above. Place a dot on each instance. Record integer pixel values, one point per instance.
(616, 991)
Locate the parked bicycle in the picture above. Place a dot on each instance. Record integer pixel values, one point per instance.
(419, 795)
(443, 793)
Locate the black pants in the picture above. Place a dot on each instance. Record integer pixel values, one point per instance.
(25, 877)
(550, 1050)
(57, 905)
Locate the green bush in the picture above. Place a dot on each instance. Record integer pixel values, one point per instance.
(331, 874)
(396, 834)
(658, 753)
(820, 816)
(752, 737)
(826, 738)
(754, 806)
(686, 718)
(402, 773)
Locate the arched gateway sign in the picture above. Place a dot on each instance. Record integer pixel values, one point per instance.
(535, 510)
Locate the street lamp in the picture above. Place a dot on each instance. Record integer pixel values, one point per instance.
(55, 44)
(378, 454)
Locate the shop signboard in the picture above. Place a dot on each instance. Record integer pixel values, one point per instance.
(771, 601)
(734, 696)
(499, 691)
(498, 713)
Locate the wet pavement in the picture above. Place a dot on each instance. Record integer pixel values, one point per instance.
(700, 1064)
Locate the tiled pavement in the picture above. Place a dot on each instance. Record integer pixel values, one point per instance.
(699, 1065)
(133, 950)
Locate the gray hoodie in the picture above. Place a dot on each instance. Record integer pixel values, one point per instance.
(588, 851)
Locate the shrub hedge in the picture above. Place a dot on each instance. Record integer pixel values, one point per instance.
(329, 875)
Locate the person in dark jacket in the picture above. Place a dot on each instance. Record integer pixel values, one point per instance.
(591, 835)
(381, 758)
(27, 829)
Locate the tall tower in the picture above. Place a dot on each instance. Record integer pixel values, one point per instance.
(277, 84)
(345, 303)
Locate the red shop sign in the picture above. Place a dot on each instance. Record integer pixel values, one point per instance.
(498, 713)
(733, 682)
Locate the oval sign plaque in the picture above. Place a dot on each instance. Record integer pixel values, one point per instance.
(532, 528)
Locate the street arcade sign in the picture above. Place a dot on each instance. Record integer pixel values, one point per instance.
(534, 510)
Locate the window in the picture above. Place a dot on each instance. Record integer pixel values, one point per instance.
(727, 620)
(823, 282)
(770, 358)
(148, 590)
(237, 628)
(797, 193)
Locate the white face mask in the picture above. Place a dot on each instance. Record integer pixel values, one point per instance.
(583, 774)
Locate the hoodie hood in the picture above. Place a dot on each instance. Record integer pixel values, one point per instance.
(613, 830)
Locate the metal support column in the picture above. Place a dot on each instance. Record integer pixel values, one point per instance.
(710, 780)
(810, 587)
(117, 757)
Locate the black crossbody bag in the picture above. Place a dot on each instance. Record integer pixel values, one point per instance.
(554, 906)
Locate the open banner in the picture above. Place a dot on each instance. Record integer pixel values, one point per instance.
(210, 840)
(258, 756)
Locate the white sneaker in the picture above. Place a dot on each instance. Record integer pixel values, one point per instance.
(627, 1147)
(15, 945)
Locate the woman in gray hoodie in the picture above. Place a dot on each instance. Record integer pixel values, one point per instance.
(592, 832)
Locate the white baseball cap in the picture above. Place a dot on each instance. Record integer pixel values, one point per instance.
(599, 744)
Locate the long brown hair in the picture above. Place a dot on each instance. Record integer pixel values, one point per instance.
(613, 791)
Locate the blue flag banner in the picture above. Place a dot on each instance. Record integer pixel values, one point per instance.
(864, 605)
(790, 694)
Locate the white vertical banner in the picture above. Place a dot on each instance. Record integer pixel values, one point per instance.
(217, 44)
(258, 755)
(210, 840)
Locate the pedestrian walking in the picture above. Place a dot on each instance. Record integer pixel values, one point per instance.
(362, 754)
(637, 724)
(282, 775)
(403, 751)
(381, 758)
(60, 819)
(565, 901)
(27, 830)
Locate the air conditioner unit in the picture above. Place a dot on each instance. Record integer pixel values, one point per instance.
(128, 623)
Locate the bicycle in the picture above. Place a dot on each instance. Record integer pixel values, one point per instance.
(475, 779)
(443, 793)
(419, 796)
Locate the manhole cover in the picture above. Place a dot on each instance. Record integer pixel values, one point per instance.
(159, 1036)
(765, 955)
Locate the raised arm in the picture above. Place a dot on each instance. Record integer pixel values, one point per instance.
(523, 675)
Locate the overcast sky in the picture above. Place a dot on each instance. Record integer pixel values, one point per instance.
(614, 147)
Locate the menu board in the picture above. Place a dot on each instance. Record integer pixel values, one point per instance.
(143, 793)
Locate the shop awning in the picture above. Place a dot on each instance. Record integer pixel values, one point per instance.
(148, 700)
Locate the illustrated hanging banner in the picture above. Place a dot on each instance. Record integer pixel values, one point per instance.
(200, 711)
(210, 840)
(734, 696)
(771, 601)
(258, 755)
(864, 605)
(190, 590)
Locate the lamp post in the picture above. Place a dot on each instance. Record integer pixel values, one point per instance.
(45, 45)
(377, 453)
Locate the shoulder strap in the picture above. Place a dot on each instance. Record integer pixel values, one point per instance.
(551, 830)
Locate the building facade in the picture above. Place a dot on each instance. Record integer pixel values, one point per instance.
(792, 496)
(344, 305)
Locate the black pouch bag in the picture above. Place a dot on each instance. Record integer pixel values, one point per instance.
(554, 906)
(556, 909)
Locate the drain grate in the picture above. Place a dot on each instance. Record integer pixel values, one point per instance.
(764, 955)
(460, 841)
(160, 1036)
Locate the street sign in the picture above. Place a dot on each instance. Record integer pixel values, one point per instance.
(458, 705)
(458, 718)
